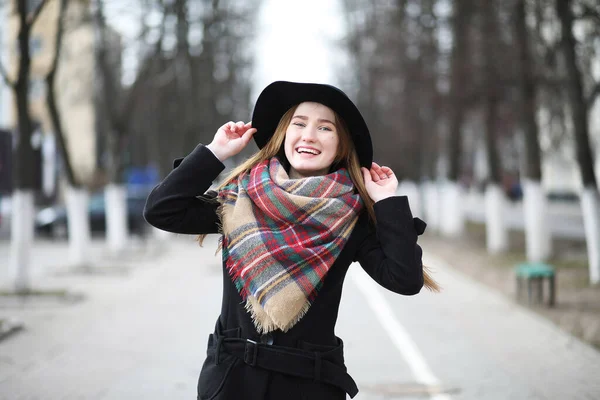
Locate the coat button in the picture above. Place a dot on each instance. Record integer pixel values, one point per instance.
(266, 338)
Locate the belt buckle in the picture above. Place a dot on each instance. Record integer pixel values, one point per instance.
(250, 352)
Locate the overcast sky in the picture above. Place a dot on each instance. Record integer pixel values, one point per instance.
(299, 41)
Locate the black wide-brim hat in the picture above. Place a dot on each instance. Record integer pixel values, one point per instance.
(277, 98)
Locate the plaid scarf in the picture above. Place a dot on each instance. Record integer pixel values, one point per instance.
(281, 236)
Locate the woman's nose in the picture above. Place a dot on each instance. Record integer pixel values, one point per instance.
(309, 134)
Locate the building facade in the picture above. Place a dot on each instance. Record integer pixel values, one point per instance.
(74, 81)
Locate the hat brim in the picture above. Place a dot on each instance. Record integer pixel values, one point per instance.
(277, 98)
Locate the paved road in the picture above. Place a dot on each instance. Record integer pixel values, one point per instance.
(141, 333)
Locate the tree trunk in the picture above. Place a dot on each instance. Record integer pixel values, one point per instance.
(496, 229)
(22, 231)
(59, 133)
(459, 68)
(579, 118)
(24, 175)
(78, 226)
(117, 111)
(115, 198)
(432, 204)
(453, 220)
(77, 198)
(537, 235)
(590, 205)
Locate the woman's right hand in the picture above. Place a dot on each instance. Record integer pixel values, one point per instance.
(230, 139)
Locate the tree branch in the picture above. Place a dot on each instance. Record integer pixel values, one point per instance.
(142, 76)
(58, 38)
(588, 12)
(32, 17)
(51, 102)
(593, 96)
(4, 75)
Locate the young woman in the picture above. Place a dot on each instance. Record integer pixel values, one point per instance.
(292, 218)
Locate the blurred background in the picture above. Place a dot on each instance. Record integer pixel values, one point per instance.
(487, 111)
(479, 107)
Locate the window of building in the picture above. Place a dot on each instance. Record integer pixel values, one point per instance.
(35, 45)
(32, 5)
(37, 88)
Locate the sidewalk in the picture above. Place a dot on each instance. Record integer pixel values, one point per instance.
(141, 333)
(578, 304)
(125, 340)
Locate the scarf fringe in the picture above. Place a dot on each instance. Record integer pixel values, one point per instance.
(263, 323)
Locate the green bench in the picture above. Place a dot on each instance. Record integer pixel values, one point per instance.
(530, 275)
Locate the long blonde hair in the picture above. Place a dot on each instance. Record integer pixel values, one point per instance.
(346, 157)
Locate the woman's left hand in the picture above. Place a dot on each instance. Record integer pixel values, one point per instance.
(380, 182)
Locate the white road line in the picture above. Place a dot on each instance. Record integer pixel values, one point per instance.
(399, 336)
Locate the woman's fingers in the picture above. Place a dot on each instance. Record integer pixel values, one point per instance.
(248, 134)
(366, 174)
(380, 173)
(387, 171)
(238, 129)
(374, 175)
(231, 127)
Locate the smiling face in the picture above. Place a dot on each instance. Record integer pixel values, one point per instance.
(311, 140)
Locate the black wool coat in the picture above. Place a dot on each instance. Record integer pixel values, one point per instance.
(388, 252)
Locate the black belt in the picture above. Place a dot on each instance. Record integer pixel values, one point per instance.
(288, 360)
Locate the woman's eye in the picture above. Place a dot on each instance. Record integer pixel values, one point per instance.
(299, 124)
(325, 128)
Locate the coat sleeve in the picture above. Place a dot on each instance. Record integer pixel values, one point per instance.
(180, 203)
(389, 252)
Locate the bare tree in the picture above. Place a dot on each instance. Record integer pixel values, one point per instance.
(196, 86)
(24, 175)
(77, 198)
(25, 180)
(399, 72)
(453, 221)
(496, 230)
(579, 120)
(51, 96)
(117, 104)
(537, 235)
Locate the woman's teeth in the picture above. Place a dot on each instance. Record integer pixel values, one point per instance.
(310, 151)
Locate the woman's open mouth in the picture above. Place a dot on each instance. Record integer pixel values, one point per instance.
(307, 151)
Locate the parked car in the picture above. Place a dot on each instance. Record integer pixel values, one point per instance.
(52, 221)
(566, 196)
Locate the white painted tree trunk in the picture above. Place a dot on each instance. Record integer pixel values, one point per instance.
(116, 217)
(495, 226)
(432, 205)
(452, 214)
(49, 165)
(411, 190)
(77, 201)
(590, 205)
(537, 235)
(22, 229)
